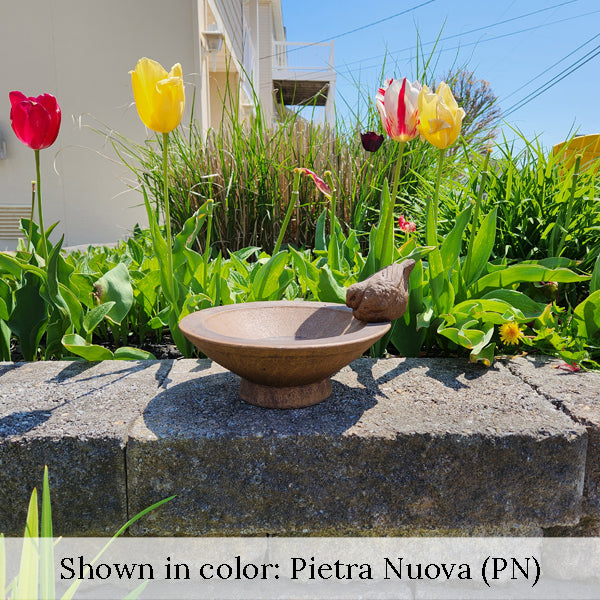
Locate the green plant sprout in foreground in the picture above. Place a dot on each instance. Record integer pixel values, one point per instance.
(35, 578)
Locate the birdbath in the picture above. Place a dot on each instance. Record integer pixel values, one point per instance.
(286, 351)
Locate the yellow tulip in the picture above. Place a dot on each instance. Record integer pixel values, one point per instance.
(440, 117)
(159, 96)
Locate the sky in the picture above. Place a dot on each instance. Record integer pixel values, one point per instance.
(541, 57)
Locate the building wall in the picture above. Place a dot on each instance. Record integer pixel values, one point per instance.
(265, 60)
(82, 51)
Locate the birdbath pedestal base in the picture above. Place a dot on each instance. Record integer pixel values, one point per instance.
(298, 396)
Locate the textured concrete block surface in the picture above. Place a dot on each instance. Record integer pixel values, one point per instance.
(73, 417)
(402, 446)
(577, 394)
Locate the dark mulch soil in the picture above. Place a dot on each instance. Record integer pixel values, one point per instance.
(163, 349)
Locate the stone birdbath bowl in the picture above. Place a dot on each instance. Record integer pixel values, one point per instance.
(286, 351)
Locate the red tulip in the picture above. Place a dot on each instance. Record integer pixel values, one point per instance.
(35, 121)
(406, 226)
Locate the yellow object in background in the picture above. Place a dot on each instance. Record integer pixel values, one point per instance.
(588, 146)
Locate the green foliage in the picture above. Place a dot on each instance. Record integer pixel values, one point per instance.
(35, 578)
(543, 209)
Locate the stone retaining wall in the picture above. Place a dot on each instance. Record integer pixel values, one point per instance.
(402, 447)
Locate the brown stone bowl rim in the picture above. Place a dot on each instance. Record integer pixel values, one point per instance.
(192, 327)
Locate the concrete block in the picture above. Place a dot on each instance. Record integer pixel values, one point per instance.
(73, 417)
(403, 446)
(578, 395)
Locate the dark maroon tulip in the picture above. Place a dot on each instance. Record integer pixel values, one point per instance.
(371, 141)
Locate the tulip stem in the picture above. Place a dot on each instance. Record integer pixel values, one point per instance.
(431, 229)
(208, 235)
(328, 177)
(30, 235)
(168, 218)
(475, 225)
(396, 181)
(39, 200)
(289, 212)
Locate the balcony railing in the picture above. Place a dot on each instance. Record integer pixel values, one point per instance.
(300, 60)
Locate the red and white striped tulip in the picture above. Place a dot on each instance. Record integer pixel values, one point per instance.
(397, 103)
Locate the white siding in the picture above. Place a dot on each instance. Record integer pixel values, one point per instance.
(82, 51)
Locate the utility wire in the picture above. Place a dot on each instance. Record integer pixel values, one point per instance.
(482, 41)
(339, 35)
(404, 12)
(554, 80)
(482, 28)
(550, 68)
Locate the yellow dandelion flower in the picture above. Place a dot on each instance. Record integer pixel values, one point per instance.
(510, 333)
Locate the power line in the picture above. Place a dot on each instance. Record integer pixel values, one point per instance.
(550, 67)
(339, 35)
(482, 28)
(404, 12)
(554, 80)
(489, 39)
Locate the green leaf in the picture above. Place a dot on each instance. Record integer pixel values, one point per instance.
(46, 543)
(4, 314)
(452, 244)
(160, 251)
(587, 316)
(188, 233)
(82, 285)
(530, 308)
(129, 353)
(523, 272)
(595, 280)
(75, 310)
(4, 345)
(148, 287)
(16, 267)
(94, 317)
(54, 295)
(27, 584)
(485, 355)
(320, 238)
(240, 266)
(307, 273)
(384, 238)
(430, 230)
(441, 288)
(57, 326)
(406, 339)
(29, 316)
(161, 319)
(266, 280)
(381, 238)
(482, 248)
(115, 286)
(334, 252)
(3, 593)
(135, 250)
(77, 345)
(328, 289)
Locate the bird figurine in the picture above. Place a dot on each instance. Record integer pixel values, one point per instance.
(382, 296)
